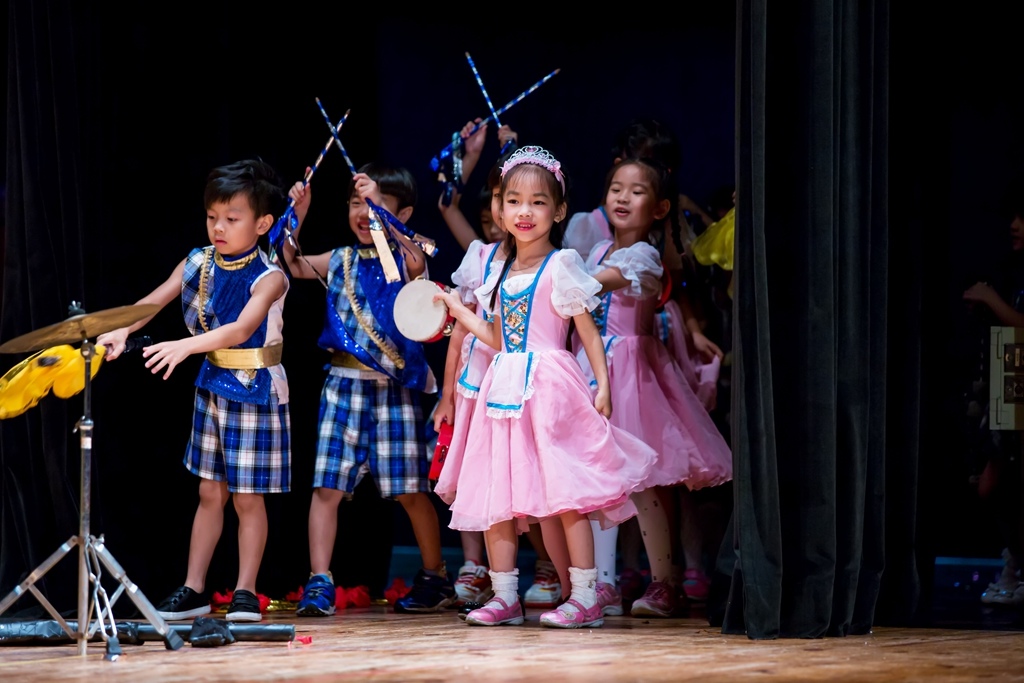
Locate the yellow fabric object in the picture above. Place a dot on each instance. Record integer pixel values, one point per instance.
(70, 378)
(60, 368)
(714, 246)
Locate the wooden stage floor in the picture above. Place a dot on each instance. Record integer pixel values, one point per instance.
(378, 645)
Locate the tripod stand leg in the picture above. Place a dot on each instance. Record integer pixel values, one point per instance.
(36, 575)
(172, 640)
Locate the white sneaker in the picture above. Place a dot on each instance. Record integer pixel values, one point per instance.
(546, 590)
(473, 584)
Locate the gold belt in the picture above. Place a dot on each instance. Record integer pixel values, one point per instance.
(341, 359)
(246, 359)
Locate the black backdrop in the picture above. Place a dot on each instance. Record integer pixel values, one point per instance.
(114, 118)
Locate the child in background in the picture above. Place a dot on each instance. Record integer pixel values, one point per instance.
(370, 416)
(654, 402)
(539, 443)
(233, 297)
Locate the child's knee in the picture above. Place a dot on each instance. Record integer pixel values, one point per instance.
(249, 504)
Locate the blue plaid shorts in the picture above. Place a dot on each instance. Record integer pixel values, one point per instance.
(370, 425)
(244, 444)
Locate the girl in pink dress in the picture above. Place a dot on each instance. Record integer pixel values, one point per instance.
(654, 401)
(466, 363)
(539, 443)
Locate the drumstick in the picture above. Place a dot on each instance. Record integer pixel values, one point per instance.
(334, 136)
(427, 245)
(283, 225)
(435, 163)
(487, 98)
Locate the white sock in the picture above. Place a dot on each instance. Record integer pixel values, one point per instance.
(506, 585)
(584, 588)
(605, 541)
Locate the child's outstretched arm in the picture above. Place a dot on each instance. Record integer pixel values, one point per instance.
(305, 267)
(590, 337)
(162, 295)
(167, 355)
(473, 145)
(704, 346)
(611, 279)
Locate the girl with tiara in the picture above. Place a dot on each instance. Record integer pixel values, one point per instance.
(653, 400)
(465, 364)
(539, 445)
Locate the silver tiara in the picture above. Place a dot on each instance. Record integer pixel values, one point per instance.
(538, 156)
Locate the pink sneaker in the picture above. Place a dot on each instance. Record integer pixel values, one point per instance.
(659, 600)
(563, 618)
(496, 613)
(609, 600)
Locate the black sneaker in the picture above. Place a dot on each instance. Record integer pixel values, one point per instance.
(184, 603)
(428, 594)
(245, 606)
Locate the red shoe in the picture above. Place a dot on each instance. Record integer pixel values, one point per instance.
(658, 601)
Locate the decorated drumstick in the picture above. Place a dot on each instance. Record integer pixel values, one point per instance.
(286, 224)
(380, 240)
(428, 245)
(334, 136)
(435, 163)
(487, 98)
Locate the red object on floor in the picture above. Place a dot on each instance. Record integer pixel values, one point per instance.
(397, 589)
(221, 599)
(352, 597)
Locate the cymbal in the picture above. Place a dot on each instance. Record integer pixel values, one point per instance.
(79, 328)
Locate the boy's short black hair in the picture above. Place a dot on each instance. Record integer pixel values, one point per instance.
(392, 180)
(254, 178)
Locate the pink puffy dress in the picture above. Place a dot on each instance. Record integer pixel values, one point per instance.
(651, 397)
(536, 446)
(588, 229)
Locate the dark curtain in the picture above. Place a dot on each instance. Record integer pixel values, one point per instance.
(827, 374)
(49, 208)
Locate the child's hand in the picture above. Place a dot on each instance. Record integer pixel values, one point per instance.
(366, 188)
(114, 341)
(166, 355)
(603, 401)
(301, 196)
(980, 292)
(505, 134)
(300, 193)
(474, 143)
(705, 347)
(454, 206)
(450, 299)
(444, 412)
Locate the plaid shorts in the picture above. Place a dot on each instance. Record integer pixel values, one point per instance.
(242, 443)
(370, 425)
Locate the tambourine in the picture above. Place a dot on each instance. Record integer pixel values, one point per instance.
(418, 317)
(444, 440)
